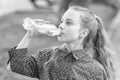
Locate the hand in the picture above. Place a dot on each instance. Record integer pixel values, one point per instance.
(28, 24)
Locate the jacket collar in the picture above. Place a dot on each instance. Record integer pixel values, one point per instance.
(77, 54)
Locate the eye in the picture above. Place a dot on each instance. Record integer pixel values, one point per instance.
(68, 23)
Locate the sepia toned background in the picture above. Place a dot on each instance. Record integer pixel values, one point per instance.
(12, 13)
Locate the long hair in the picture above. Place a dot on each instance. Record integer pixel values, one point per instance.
(97, 40)
(103, 49)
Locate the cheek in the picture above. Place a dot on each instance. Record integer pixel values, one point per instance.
(74, 33)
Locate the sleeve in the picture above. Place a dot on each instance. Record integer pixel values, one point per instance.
(98, 74)
(22, 63)
(88, 73)
(43, 56)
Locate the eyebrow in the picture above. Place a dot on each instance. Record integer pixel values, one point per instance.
(69, 19)
(66, 19)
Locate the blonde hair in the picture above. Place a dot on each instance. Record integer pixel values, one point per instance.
(97, 40)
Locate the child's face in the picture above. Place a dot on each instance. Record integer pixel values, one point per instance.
(70, 26)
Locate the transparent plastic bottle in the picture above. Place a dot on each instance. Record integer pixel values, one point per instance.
(41, 26)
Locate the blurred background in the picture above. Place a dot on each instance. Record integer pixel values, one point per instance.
(12, 13)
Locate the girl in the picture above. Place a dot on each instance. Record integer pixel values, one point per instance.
(85, 55)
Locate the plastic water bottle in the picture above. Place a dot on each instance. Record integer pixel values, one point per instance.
(41, 26)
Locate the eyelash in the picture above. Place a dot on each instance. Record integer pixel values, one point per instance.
(68, 23)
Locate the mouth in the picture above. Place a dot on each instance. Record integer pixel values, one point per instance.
(61, 33)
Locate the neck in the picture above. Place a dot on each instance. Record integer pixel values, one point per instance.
(74, 45)
(78, 44)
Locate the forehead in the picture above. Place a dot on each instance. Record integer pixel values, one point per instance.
(71, 14)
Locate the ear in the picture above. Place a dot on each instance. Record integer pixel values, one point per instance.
(84, 32)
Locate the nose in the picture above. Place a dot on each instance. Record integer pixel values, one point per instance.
(61, 27)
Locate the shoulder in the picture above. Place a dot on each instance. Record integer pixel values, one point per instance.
(91, 64)
(98, 71)
(91, 69)
(47, 52)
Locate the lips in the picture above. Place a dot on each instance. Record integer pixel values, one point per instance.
(61, 33)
